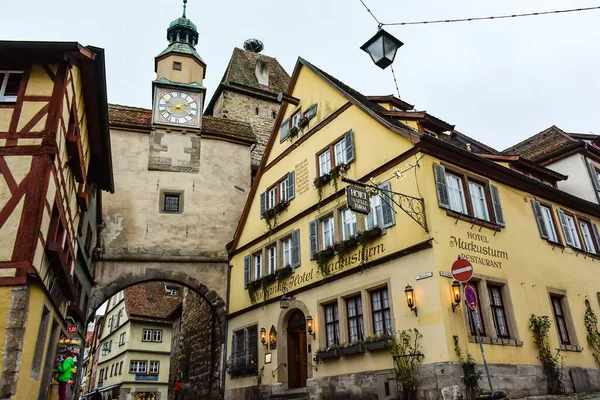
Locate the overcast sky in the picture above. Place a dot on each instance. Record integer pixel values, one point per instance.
(498, 81)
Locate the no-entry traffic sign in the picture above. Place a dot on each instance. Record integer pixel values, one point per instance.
(462, 270)
(471, 297)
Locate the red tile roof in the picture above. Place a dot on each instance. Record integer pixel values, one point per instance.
(141, 118)
(149, 300)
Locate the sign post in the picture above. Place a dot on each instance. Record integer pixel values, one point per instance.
(471, 300)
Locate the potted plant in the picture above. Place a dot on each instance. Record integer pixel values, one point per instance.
(323, 258)
(342, 248)
(294, 131)
(355, 347)
(331, 351)
(378, 342)
(284, 272)
(303, 122)
(282, 205)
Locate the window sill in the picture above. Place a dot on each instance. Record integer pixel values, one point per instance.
(571, 347)
(497, 341)
(475, 221)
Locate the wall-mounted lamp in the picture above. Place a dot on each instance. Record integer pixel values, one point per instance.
(455, 295)
(309, 327)
(263, 336)
(410, 298)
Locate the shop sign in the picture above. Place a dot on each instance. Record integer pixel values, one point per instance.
(477, 249)
(72, 329)
(358, 200)
(146, 377)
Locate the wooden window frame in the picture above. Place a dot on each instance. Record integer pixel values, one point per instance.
(337, 338)
(588, 222)
(558, 300)
(154, 331)
(268, 258)
(382, 310)
(277, 188)
(579, 235)
(331, 148)
(559, 237)
(10, 99)
(177, 66)
(494, 307)
(357, 317)
(280, 252)
(150, 367)
(137, 369)
(476, 285)
(143, 335)
(298, 111)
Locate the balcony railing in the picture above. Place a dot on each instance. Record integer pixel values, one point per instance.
(242, 365)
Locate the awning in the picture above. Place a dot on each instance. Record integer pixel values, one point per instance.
(100, 390)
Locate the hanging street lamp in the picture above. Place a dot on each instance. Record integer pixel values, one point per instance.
(382, 48)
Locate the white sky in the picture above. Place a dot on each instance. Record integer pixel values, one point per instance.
(498, 81)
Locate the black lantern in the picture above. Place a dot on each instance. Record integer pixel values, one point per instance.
(455, 295)
(263, 336)
(382, 48)
(410, 298)
(309, 326)
(284, 302)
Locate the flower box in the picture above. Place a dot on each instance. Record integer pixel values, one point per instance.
(322, 180)
(345, 245)
(367, 236)
(294, 131)
(354, 349)
(303, 122)
(283, 272)
(327, 354)
(265, 280)
(325, 254)
(279, 207)
(378, 345)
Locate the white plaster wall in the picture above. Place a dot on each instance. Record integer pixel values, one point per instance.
(213, 199)
(579, 183)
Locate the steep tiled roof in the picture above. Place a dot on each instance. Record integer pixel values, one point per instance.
(141, 118)
(149, 300)
(544, 143)
(241, 71)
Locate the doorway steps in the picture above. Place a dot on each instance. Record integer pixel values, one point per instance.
(290, 394)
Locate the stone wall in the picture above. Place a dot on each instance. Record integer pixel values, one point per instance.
(243, 107)
(199, 353)
(440, 381)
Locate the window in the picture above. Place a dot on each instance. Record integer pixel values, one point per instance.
(332, 324)
(122, 339)
(147, 335)
(121, 368)
(272, 197)
(480, 210)
(9, 85)
(112, 368)
(244, 354)
(176, 65)
(287, 252)
(157, 336)
(256, 111)
(588, 231)
(545, 221)
(498, 313)
(284, 130)
(356, 328)
(154, 367)
(559, 316)
(327, 226)
(348, 224)
(272, 255)
(137, 367)
(258, 266)
(382, 210)
(171, 292)
(88, 239)
(283, 190)
(101, 375)
(337, 153)
(569, 229)
(471, 196)
(296, 118)
(325, 162)
(171, 203)
(274, 114)
(457, 195)
(382, 317)
(311, 112)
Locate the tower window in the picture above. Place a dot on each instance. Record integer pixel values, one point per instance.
(256, 110)
(171, 201)
(176, 65)
(273, 114)
(262, 73)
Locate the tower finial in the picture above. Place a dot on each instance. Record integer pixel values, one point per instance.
(184, 6)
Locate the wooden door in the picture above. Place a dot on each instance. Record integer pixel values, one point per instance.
(303, 358)
(297, 354)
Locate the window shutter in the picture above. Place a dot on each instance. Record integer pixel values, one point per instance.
(312, 232)
(263, 204)
(497, 206)
(565, 227)
(312, 112)
(284, 130)
(291, 188)
(387, 206)
(349, 146)
(593, 176)
(442, 187)
(246, 271)
(296, 248)
(539, 219)
(596, 236)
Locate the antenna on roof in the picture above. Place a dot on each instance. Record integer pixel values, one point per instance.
(184, 7)
(253, 45)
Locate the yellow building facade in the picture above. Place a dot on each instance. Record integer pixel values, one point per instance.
(54, 152)
(315, 287)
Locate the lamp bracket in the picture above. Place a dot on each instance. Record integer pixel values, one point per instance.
(454, 305)
(414, 207)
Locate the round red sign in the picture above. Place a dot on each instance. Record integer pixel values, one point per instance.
(471, 297)
(462, 270)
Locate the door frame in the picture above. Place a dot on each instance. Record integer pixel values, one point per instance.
(282, 348)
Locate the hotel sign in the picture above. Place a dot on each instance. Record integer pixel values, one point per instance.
(358, 200)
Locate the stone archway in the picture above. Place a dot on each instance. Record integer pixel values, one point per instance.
(282, 345)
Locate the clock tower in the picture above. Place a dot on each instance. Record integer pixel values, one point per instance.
(178, 94)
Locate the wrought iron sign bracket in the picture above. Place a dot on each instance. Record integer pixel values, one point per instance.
(414, 207)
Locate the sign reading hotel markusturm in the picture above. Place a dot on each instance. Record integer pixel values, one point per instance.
(358, 200)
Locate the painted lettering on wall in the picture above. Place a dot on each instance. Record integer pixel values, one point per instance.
(301, 278)
(301, 170)
(477, 250)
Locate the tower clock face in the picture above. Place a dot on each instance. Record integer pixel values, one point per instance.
(177, 107)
